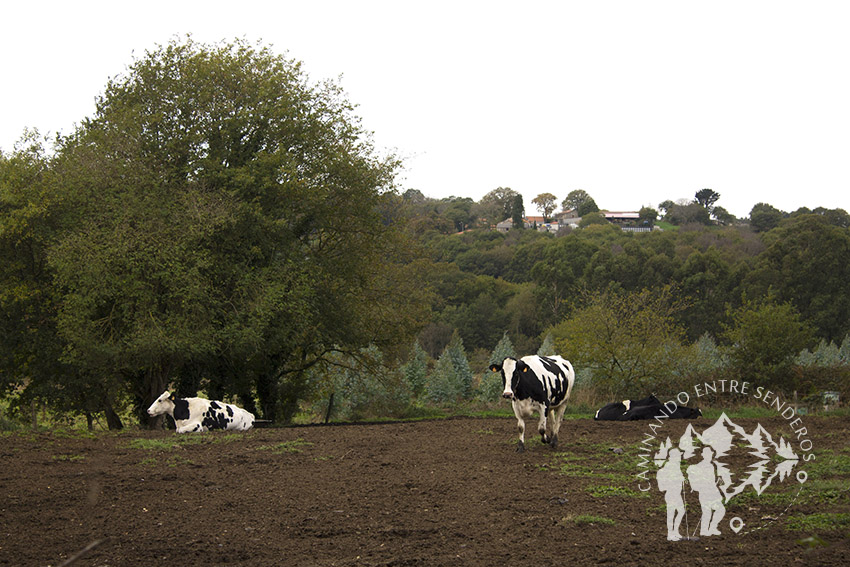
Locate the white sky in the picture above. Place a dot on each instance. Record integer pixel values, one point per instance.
(633, 101)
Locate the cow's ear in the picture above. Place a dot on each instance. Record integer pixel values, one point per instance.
(495, 368)
(172, 396)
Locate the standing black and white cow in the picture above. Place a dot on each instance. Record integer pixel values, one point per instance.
(198, 414)
(537, 383)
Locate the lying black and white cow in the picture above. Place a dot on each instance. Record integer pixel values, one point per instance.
(537, 383)
(198, 414)
(647, 408)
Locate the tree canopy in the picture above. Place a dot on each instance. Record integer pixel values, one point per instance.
(226, 219)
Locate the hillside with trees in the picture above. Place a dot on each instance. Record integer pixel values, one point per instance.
(222, 225)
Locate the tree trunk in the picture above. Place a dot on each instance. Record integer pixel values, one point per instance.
(113, 420)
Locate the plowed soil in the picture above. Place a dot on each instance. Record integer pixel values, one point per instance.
(433, 493)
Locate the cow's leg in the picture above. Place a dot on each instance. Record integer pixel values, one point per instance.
(521, 413)
(521, 427)
(551, 433)
(541, 425)
(557, 415)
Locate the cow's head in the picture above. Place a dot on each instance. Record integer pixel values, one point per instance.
(511, 370)
(163, 404)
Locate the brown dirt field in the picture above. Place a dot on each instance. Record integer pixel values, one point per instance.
(433, 493)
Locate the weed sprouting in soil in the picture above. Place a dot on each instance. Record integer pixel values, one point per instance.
(293, 446)
(69, 458)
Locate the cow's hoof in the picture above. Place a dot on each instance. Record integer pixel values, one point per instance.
(520, 447)
(554, 442)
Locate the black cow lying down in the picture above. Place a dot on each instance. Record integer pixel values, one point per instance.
(647, 408)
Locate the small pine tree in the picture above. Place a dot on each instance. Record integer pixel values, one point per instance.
(548, 346)
(416, 370)
(503, 350)
(451, 379)
(491, 383)
(442, 383)
(457, 355)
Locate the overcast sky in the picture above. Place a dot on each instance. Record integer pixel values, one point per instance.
(635, 102)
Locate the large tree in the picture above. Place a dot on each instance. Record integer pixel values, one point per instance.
(545, 203)
(235, 223)
(628, 341)
(706, 198)
(575, 199)
(764, 217)
(497, 205)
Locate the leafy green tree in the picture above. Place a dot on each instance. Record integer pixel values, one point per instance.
(648, 216)
(764, 217)
(497, 205)
(233, 216)
(706, 198)
(559, 274)
(545, 203)
(592, 218)
(31, 366)
(707, 279)
(722, 216)
(587, 207)
(807, 263)
(629, 341)
(575, 199)
(692, 213)
(665, 207)
(459, 212)
(764, 338)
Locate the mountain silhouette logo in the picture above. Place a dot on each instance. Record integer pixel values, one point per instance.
(719, 464)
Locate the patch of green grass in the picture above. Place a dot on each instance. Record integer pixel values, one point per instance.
(819, 522)
(593, 520)
(828, 464)
(606, 491)
(829, 491)
(148, 462)
(69, 458)
(774, 496)
(165, 444)
(177, 460)
(601, 464)
(286, 447)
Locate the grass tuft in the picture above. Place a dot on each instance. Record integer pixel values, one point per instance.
(286, 447)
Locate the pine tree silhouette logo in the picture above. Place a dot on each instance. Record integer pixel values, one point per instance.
(704, 459)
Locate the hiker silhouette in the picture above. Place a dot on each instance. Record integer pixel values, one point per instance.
(671, 483)
(703, 480)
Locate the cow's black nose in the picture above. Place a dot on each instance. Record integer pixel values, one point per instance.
(507, 396)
